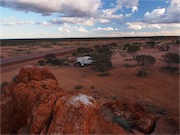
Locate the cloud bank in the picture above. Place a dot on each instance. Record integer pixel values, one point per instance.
(69, 8)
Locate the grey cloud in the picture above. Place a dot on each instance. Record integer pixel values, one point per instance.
(69, 8)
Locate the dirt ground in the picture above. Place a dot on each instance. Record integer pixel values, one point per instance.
(160, 88)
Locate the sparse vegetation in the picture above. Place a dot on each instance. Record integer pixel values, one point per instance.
(84, 50)
(57, 61)
(132, 49)
(49, 56)
(74, 53)
(144, 61)
(171, 58)
(46, 46)
(151, 44)
(129, 65)
(102, 62)
(102, 59)
(41, 62)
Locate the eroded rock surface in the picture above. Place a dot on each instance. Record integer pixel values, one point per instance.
(35, 104)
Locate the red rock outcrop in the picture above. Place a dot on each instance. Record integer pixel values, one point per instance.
(35, 104)
(34, 85)
(129, 116)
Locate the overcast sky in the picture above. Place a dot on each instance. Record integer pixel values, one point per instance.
(88, 18)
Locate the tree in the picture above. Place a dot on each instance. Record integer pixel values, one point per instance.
(48, 57)
(132, 49)
(144, 61)
(102, 62)
(102, 59)
(170, 58)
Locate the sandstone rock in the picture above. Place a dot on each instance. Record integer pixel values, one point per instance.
(73, 114)
(40, 117)
(37, 73)
(6, 111)
(25, 95)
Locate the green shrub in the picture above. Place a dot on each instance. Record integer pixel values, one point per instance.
(129, 65)
(171, 69)
(46, 46)
(171, 58)
(49, 56)
(102, 58)
(144, 61)
(151, 44)
(55, 61)
(62, 61)
(41, 62)
(84, 50)
(126, 46)
(78, 87)
(132, 49)
(74, 53)
(114, 45)
(66, 64)
(102, 62)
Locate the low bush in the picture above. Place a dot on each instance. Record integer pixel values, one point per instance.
(171, 69)
(66, 64)
(130, 65)
(74, 53)
(144, 61)
(49, 56)
(171, 58)
(84, 50)
(151, 44)
(102, 58)
(132, 49)
(102, 62)
(41, 62)
(55, 61)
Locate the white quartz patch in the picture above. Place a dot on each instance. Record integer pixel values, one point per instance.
(81, 98)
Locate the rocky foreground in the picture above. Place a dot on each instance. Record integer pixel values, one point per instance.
(35, 104)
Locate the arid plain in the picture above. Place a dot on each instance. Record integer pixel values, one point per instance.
(158, 91)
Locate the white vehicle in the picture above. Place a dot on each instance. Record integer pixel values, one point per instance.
(87, 60)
